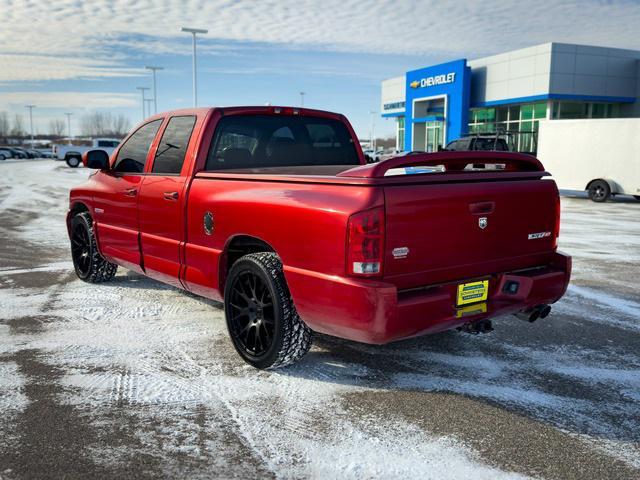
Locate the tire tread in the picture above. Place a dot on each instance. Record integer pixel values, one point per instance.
(101, 269)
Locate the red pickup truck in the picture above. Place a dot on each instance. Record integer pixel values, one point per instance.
(274, 211)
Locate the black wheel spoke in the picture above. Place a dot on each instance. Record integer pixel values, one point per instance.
(250, 313)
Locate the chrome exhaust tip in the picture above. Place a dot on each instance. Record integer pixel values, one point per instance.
(533, 314)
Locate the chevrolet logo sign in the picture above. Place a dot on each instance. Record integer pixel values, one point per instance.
(414, 84)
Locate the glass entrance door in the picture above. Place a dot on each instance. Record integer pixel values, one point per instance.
(433, 136)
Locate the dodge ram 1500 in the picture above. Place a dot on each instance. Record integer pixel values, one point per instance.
(274, 211)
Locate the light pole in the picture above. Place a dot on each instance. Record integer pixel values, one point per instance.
(372, 137)
(155, 90)
(148, 102)
(68, 114)
(193, 32)
(302, 94)
(31, 107)
(142, 89)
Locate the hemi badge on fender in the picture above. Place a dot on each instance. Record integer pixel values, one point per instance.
(533, 236)
(99, 210)
(400, 252)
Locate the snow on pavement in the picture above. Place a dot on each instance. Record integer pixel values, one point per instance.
(147, 374)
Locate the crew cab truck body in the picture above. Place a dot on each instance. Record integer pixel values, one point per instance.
(72, 154)
(274, 211)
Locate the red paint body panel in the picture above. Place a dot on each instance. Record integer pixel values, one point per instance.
(302, 214)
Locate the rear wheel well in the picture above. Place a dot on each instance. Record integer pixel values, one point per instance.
(238, 247)
(77, 208)
(611, 185)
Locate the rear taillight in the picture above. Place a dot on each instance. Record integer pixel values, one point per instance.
(365, 243)
(556, 233)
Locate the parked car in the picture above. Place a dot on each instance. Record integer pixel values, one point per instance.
(490, 142)
(46, 153)
(372, 156)
(15, 152)
(72, 154)
(254, 207)
(34, 153)
(25, 152)
(5, 153)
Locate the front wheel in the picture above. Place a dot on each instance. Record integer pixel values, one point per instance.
(637, 197)
(73, 162)
(89, 265)
(599, 191)
(263, 323)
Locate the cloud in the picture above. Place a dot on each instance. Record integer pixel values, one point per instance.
(90, 36)
(34, 68)
(67, 100)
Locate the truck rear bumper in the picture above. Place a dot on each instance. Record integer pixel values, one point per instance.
(377, 313)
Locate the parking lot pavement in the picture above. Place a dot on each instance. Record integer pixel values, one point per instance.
(137, 379)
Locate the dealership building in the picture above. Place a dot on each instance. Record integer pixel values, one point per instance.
(511, 92)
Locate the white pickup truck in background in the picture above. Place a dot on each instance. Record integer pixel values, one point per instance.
(72, 154)
(601, 156)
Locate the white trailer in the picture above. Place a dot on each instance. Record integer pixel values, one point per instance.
(601, 156)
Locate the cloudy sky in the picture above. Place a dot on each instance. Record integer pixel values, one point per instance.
(77, 56)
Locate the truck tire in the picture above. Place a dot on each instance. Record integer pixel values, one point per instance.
(89, 265)
(599, 191)
(263, 323)
(73, 161)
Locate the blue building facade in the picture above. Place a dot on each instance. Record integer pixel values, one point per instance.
(511, 93)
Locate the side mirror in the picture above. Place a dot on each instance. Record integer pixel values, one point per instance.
(96, 159)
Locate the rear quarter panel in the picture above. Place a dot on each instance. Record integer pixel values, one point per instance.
(304, 223)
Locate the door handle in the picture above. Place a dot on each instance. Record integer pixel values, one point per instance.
(170, 195)
(482, 207)
(131, 192)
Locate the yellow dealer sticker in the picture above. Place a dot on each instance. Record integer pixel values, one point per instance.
(473, 292)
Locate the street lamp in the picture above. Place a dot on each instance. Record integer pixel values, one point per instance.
(193, 32)
(68, 114)
(31, 107)
(142, 89)
(302, 94)
(148, 102)
(155, 90)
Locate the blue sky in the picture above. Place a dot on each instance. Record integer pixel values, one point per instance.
(71, 55)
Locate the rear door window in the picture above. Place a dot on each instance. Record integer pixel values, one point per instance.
(258, 141)
(133, 154)
(173, 145)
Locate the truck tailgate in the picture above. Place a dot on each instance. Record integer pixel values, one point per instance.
(454, 231)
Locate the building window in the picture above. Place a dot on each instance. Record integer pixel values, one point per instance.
(520, 122)
(578, 110)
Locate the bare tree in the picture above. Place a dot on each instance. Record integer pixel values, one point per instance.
(103, 124)
(57, 127)
(18, 126)
(120, 126)
(4, 125)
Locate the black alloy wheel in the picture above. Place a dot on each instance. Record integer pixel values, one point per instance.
(81, 250)
(252, 322)
(262, 320)
(89, 265)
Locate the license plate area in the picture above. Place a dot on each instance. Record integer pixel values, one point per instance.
(472, 292)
